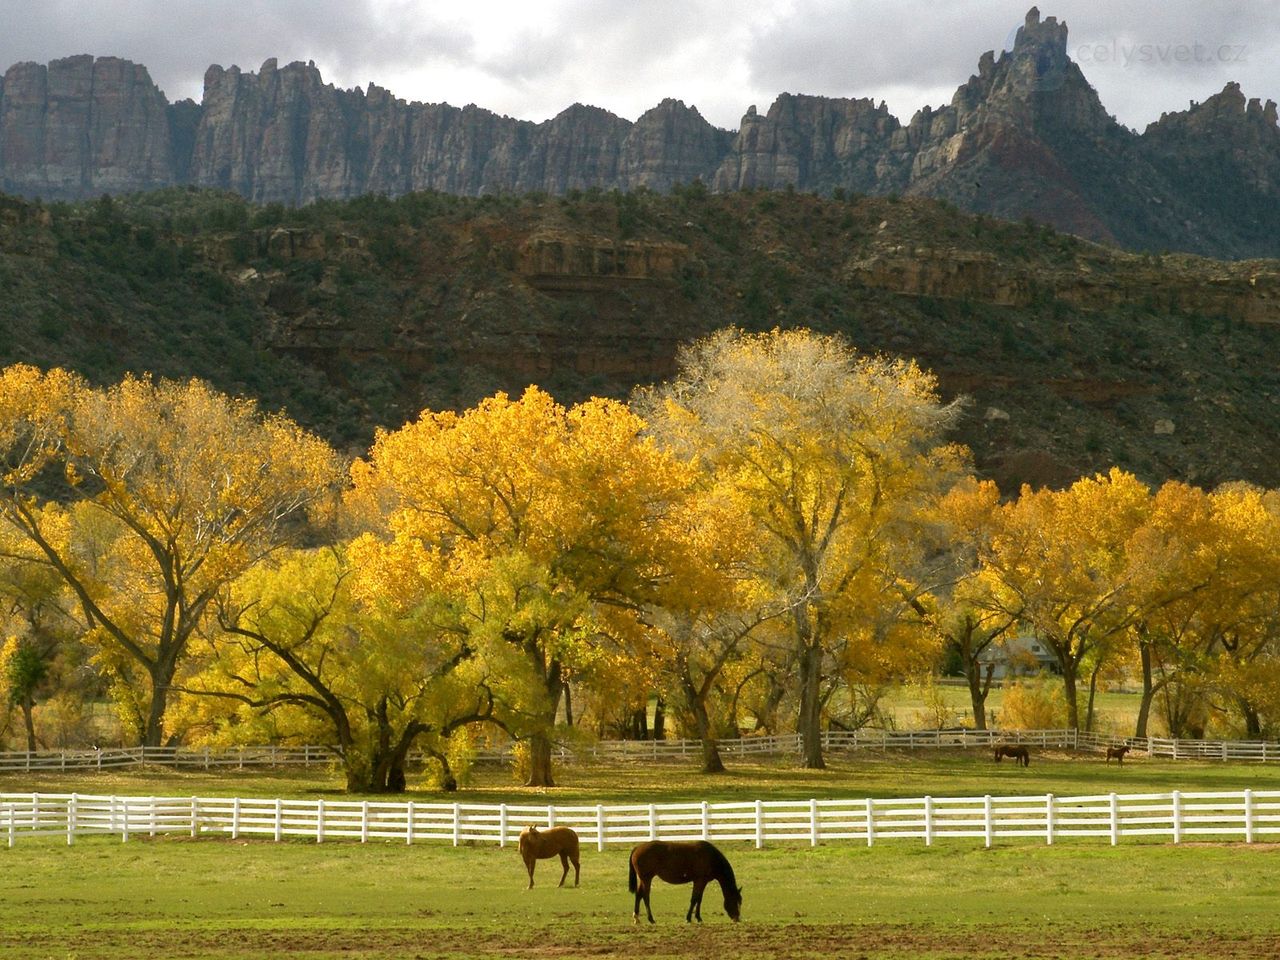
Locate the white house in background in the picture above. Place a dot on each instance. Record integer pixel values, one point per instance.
(1020, 656)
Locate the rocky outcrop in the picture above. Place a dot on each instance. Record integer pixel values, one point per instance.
(1025, 136)
(79, 127)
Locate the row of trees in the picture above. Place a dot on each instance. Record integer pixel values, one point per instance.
(772, 537)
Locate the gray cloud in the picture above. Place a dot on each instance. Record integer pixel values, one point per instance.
(177, 39)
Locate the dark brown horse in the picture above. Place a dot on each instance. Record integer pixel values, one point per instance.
(538, 845)
(1117, 752)
(689, 861)
(1018, 754)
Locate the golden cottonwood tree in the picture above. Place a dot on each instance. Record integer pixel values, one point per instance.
(303, 654)
(177, 488)
(39, 647)
(956, 605)
(1058, 563)
(1244, 624)
(832, 455)
(543, 522)
(707, 606)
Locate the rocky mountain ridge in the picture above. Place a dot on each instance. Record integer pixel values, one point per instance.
(1026, 136)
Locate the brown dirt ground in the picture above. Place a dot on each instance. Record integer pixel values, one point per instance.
(776, 942)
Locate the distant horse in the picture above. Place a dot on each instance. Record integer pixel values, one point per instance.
(689, 861)
(538, 844)
(1018, 754)
(1117, 752)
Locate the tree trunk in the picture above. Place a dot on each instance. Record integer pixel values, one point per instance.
(809, 723)
(1093, 689)
(1069, 688)
(28, 720)
(153, 732)
(1252, 721)
(1148, 691)
(540, 761)
(979, 686)
(711, 760)
(659, 720)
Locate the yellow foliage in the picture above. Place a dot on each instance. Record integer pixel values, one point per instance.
(1033, 704)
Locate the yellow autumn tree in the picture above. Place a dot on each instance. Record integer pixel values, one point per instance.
(956, 605)
(1242, 626)
(832, 456)
(542, 522)
(1059, 564)
(302, 654)
(175, 490)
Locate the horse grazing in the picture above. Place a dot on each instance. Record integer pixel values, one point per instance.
(538, 844)
(687, 861)
(1018, 754)
(1117, 752)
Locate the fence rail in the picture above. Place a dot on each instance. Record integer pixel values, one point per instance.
(783, 745)
(1249, 815)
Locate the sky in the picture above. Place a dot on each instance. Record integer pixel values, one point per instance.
(530, 59)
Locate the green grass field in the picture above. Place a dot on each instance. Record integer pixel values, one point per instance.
(211, 898)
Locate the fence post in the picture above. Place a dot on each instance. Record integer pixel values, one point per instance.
(928, 821)
(502, 824)
(71, 820)
(11, 838)
(195, 816)
(1176, 798)
(457, 823)
(35, 811)
(871, 822)
(1048, 819)
(706, 821)
(124, 816)
(759, 824)
(408, 824)
(151, 816)
(279, 833)
(551, 815)
(653, 822)
(1248, 816)
(813, 823)
(320, 820)
(600, 827)
(235, 818)
(1115, 820)
(364, 821)
(988, 828)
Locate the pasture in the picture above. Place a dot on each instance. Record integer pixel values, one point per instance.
(230, 900)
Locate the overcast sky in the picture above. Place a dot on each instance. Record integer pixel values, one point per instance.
(532, 58)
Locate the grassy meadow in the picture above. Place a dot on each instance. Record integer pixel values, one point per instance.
(216, 898)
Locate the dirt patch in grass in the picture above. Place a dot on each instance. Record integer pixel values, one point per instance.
(773, 941)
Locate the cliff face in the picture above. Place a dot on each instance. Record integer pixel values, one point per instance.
(1026, 136)
(79, 127)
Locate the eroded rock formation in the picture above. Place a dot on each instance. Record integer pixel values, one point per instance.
(1026, 136)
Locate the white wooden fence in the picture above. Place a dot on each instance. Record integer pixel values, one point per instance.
(784, 745)
(1249, 815)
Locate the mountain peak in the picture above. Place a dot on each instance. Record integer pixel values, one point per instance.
(1047, 33)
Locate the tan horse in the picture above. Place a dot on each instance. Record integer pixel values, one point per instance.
(538, 845)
